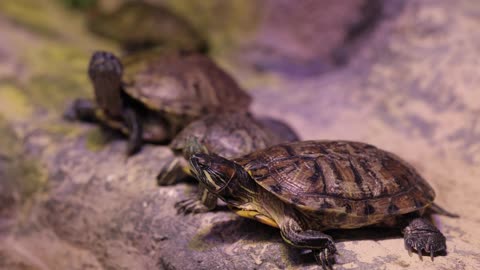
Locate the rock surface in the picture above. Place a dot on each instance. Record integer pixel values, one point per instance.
(71, 200)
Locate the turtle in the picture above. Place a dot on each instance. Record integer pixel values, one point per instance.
(306, 187)
(279, 127)
(139, 25)
(230, 135)
(150, 96)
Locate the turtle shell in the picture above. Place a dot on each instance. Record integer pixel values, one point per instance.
(188, 85)
(229, 135)
(340, 177)
(138, 25)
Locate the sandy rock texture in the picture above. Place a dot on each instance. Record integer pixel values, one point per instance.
(69, 199)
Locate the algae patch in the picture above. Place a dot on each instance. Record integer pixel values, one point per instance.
(33, 15)
(197, 243)
(58, 75)
(95, 140)
(21, 176)
(14, 105)
(52, 92)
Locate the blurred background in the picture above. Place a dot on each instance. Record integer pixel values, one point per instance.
(402, 75)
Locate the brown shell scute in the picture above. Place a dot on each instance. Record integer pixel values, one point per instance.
(189, 84)
(339, 176)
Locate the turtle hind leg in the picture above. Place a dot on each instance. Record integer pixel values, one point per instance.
(321, 244)
(200, 202)
(134, 125)
(81, 109)
(421, 235)
(105, 71)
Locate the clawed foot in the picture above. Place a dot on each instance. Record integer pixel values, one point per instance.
(190, 206)
(326, 256)
(421, 235)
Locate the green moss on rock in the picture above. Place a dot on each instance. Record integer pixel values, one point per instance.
(33, 15)
(95, 140)
(14, 104)
(21, 176)
(197, 243)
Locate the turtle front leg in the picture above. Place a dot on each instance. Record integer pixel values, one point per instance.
(171, 172)
(321, 244)
(421, 235)
(134, 125)
(200, 202)
(82, 109)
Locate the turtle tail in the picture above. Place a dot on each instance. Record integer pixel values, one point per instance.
(436, 209)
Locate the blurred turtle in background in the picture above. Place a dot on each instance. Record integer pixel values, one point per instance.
(229, 135)
(138, 25)
(80, 4)
(151, 96)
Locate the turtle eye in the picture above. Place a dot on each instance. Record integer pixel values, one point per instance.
(212, 170)
(200, 160)
(203, 166)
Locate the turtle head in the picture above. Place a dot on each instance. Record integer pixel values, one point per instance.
(193, 146)
(105, 71)
(214, 171)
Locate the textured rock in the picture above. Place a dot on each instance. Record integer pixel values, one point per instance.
(411, 88)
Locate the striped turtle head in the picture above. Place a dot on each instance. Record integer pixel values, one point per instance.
(214, 171)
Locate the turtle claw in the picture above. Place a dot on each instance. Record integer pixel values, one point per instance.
(409, 249)
(325, 258)
(419, 251)
(190, 206)
(423, 236)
